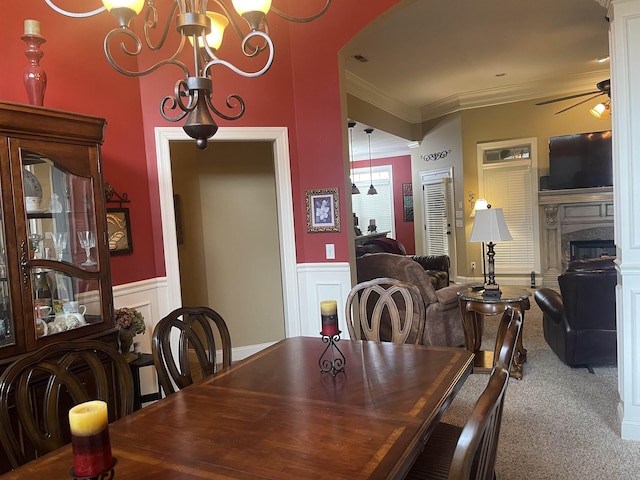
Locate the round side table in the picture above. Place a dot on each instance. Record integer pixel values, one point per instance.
(474, 307)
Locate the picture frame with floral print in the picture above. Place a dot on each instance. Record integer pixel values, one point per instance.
(323, 210)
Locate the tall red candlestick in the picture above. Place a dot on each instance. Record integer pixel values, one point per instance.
(35, 78)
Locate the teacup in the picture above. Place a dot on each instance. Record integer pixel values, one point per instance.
(74, 307)
(43, 311)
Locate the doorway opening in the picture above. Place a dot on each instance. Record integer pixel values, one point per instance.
(277, 136)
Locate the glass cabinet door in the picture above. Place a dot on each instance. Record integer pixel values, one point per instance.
(7, 326)
(64, 261)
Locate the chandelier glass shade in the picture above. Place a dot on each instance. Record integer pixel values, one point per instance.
(191, 98)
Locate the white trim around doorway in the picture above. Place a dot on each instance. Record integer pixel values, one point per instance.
(279, 137)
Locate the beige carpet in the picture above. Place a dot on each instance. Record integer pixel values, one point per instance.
(559, 422)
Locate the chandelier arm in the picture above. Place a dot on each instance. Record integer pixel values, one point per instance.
(304, 19)
(176, 101)
(230, 105)
(74, 14)
(216, 61)
(138, 44)
(151, 22)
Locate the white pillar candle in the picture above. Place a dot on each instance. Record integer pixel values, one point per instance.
(31, 27)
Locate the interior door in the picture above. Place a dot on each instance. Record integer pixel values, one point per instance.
(437, 199)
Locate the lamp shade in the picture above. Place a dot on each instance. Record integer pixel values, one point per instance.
(490, 226)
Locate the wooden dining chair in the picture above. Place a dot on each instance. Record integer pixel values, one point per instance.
(385, 309)
(38, 389)
(195, 356)
(469, 452)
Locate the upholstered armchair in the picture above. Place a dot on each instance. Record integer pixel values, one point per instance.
(443, 325)
(579, 323)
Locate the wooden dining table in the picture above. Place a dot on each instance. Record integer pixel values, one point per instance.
(274, 415)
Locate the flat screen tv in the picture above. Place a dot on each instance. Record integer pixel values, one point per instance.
(582, 160)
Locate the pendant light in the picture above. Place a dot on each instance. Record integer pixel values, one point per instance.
(372, 190)
(354, 188)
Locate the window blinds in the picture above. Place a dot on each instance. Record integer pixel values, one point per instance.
(509, 187)
(378, 207)
(436, 221)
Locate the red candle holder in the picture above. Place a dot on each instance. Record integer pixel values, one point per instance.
(332, 360)
(35, 78)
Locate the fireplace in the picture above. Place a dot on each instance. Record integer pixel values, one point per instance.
(577, 224)
(581, 249)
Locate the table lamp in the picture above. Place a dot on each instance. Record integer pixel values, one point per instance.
(490, 226)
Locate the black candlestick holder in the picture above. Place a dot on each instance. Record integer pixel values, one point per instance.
(108, 475)
(332, 360)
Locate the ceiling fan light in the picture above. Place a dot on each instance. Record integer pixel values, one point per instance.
(598, 110)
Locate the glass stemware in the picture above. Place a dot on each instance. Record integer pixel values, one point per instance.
(59, 240)
(87, 241)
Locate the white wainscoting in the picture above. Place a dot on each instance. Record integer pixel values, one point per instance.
(317, 282)
(149, 297)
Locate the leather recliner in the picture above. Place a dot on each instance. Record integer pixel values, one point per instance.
(579, 324)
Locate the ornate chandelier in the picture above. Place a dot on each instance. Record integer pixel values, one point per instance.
(204, 29)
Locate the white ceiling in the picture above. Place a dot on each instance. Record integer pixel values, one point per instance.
(427, 59)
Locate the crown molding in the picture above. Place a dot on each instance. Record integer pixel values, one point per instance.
(552, 87)
(366, 92)
(543, 88)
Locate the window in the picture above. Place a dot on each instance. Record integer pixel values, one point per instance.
(378, 207)
(507, 182)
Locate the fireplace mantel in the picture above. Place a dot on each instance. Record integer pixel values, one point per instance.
(576, 195)
(569, 215)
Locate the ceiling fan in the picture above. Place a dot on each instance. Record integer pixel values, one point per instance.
(603, 88)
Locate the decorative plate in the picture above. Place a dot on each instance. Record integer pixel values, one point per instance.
(32, 187)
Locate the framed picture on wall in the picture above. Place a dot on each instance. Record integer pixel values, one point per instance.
(323, 214)
(119, 231)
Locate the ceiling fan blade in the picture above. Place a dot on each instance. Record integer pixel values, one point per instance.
(546, 102)
(579, 103)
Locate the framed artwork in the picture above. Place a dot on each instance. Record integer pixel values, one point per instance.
(119, 231)
(323, 213)
(407, 202)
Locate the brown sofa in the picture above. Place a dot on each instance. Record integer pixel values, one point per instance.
(443, 318)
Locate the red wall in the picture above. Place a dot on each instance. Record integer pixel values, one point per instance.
(401, 168)
(301, 91)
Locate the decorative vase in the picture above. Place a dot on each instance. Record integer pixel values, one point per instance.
(35, 78)
(126, 342)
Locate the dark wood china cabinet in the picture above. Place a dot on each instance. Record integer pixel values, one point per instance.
(55, 281)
